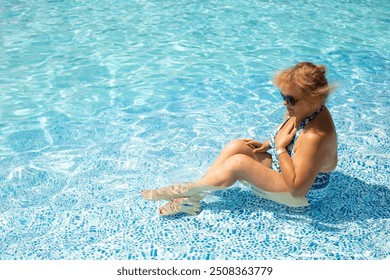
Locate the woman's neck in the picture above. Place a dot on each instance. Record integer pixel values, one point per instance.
(309, 112)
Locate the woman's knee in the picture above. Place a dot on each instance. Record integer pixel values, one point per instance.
(237, 162)
(237, 146)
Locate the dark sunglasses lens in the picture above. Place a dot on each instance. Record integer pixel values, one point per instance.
(289, 99)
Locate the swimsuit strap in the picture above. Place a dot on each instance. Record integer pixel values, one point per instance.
(303, 123)
(309, 118)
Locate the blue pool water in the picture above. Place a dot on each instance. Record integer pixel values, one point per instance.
(100, 101)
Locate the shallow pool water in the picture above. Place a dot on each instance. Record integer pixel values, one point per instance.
(100, 101)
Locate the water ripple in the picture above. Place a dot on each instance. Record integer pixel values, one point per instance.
(98, 102)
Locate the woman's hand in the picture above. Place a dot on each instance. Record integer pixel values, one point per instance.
(285, 136)
(257, 146)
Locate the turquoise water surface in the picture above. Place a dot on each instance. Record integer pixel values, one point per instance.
(102, 99)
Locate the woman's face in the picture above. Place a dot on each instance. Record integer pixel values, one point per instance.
(292, 98)
(296, 103)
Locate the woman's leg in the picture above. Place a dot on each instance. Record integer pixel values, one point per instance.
(236, 147)
(224, 174)
(241, 167)
(172, 192)
(236, 162)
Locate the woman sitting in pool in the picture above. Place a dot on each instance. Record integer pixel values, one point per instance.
(298, 156)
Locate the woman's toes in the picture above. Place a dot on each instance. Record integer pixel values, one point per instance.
(147, 194)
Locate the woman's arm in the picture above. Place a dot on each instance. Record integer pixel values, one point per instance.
(300, 171)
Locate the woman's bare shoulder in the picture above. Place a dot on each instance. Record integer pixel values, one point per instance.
(322, 126)
(320, 134)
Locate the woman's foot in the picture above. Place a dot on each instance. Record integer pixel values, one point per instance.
(189, 205)
(166, 193)
(176, 191)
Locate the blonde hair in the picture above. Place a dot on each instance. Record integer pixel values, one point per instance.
(308, 78)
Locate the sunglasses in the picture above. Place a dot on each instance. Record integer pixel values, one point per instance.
(289, 99)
